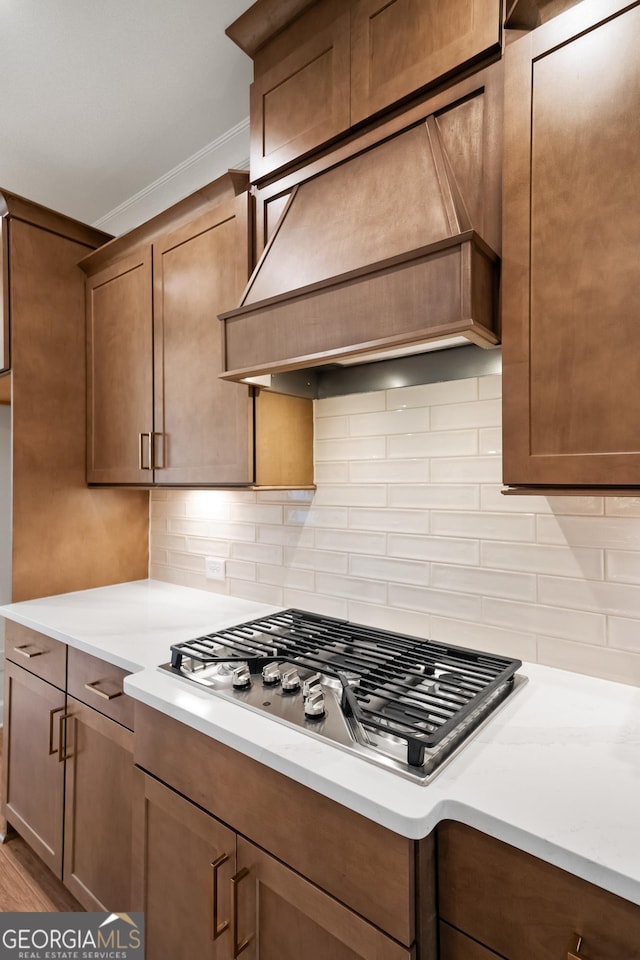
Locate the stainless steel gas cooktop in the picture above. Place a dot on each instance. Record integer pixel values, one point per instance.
(402, 702)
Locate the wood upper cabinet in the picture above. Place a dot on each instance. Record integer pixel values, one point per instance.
(158, 412)
(120, 372)
(332, 65)
(203, 428)
(521, 908)
(570, 243)
(399, 47)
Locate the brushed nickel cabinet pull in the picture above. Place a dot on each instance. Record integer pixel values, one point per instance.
(216, 928)
(141, 465)
(52, 714)
(63, 753)
(155, 465)
(238, 945)
(573, 950)
(24, 651)
(94, 688)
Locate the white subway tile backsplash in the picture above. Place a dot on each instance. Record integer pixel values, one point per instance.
(623, 566)
(317, 603)
(332, 472)
(390, 422)
(354, 448)
(351, 495)
(597, 595)
(596, 661)
(467, 469)
(351, 541)
(435, 496)
(535, 558)
(388, 472)
(624, 634)
(553, 621)
(352, 588)
(479, 636)
(350, 404)
(428, 394)
(322, 560)
(389, 569)
(395, 521)
(408, 530)
(453, 443)
(434, 548)
(483, 526)
(442, 602)
(605, 532)
(481, 413)
(490, 440)
(490, 388)
(329, 427)
(489, 583)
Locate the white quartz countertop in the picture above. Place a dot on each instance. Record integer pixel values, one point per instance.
(555, 772)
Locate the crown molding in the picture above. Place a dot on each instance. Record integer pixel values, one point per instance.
(230, 150)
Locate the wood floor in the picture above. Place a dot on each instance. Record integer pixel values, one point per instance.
(26, 884)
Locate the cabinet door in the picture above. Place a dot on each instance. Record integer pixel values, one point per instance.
(454, 945)
(184, 860)
(302, 100)
(33, 762)
(278, 915)
(120, 372)
(399, 46)
(204, 425)
(571, 239)
(99, 791)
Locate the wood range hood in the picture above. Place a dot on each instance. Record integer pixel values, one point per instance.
(380, 254)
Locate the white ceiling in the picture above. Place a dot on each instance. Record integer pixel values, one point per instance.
(100, 98)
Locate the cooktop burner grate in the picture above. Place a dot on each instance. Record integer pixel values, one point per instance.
(394, 685)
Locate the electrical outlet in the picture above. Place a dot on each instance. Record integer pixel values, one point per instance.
(215, 568)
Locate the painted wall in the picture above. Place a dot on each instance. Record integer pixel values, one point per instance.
(5, 524)
(408, 530)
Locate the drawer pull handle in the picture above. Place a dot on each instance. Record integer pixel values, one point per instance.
(141, 464)
(24, 651)
(63, 752)
(94, 688)
(52, 714)
(573, 950)
(216, 928)
(238, 945)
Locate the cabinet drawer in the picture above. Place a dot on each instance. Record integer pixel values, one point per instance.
(365, 866)
(37, 653)
(524, 908)
(99, 685)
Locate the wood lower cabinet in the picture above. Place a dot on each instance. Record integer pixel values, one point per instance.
(571, 236)
(281, 916)
(33, 762)
(99, 795)
(68, 771)
(310, 879)
(184, 861)
(456, 946)
(522, 908)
